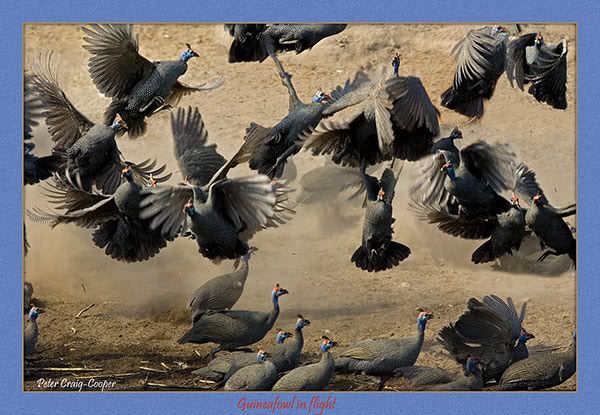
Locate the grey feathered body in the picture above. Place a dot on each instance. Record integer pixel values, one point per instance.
(470, 382)
(286, 356)
(231, 329)
(540, 371)
(219, 293)
(222, 368)
(256, 377)
(313, 377)
(552, 230)
(300, 36)
(159, 84)
(506, 236)
(420, 376)
(474, 194)
(381, 356)
(377, 227)
(30, 336)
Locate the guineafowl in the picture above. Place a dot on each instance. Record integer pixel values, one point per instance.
(223, 367)
(471, 380)
(257, 377)
(540, 370)
(221, 213)
(232, 329)
(285, 354)
(397, 119)
(312, 377)
(87, 150)
(381, 357)
(530, 60)
(118, 229)
(138, 87)
(222, 292)
(378, 252)
(30, 332)
(490, 330)
(480, 59)
(255, 42)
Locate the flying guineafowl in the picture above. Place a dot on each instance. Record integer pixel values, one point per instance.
(138, 87)
(255, 42)
(378, 251)
(221, 213)
(490, 330)
(30, 331)
(480, 59)
(381, 357)
(273, 146)
(530, 60)
(312, 377)
(541, 370)
(285, 354)
(222, 292)
(118, 230)
(257, 377)
(88, 150)
(233, 329)
(395, 120)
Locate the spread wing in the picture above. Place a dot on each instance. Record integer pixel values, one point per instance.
(65, 123)
(181, 89)
(478, 56)
(115, 65)
(198, 161)
(163, 206)
(492, 163)
(412, 107)
(428, 180)
(507, 311)
(526, 185)
(84, 209)
(353, 92)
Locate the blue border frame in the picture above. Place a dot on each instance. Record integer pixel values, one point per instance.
(584, 13)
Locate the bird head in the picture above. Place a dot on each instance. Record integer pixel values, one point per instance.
(320, 96)
(302, 322)
(538, 199)
(282, 335)
(539, 40)
(449, 169)
(514, 199)
(278, 292)
(261, 356)
(423, 317)
(499, 29)
(396, 63)
(380, 194)
(188, 208)
(127, 173)
(326, 344)
(187, 54)
(525, 336)
(118, 124)
(34, 313)
(456, 134)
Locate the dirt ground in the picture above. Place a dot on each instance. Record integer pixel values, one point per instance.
(139, 309)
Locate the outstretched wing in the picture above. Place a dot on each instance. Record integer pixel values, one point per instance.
(515, 59)
(180, 90)
(115, 65)
(461, 226)
(33, 109)
(412, 107)
(163, 206)
(428, 180)
(478, 56)
(492, 163)
(526, 185)
(65, 123)
(507, 311)
(84, 209)
(353, 92)
(198, 161)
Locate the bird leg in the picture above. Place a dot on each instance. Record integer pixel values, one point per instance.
(286, 78)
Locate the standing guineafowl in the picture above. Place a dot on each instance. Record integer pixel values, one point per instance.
(490, 330)
(138, 87)
(532, 61)
(89, 151)
(115, 218)
(480, 59)
(396, 120)
(222, 214)
(222, 292)
(313, 377)
(30, 331)
(381, 357)
(285, 354)
(232, 329)
(257, 377)
(378, 252)
(255, 42)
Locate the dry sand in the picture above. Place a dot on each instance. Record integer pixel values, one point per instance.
(139, 310)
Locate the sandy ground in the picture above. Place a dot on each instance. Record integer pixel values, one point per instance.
(139, 308)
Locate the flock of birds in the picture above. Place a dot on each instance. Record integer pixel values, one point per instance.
(389, 118)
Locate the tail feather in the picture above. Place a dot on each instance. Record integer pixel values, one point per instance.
(468, 105)
(251, 50)
(483, 254)
(394, 253)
